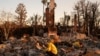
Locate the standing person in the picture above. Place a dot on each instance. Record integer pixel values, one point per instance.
(51, 48)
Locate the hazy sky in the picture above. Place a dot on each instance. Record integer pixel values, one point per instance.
(36, 7)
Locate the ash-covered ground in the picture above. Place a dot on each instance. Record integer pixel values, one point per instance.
(35, 45)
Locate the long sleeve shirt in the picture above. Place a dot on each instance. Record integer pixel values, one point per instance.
(52, 48)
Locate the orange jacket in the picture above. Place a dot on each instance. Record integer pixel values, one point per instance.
(52, 48)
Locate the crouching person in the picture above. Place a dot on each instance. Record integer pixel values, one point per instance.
(77, 44)
(51, 49)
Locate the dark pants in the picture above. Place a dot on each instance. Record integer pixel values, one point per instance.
(51, 54)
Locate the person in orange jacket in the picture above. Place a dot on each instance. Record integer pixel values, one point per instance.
(51, 49)
(77, 44)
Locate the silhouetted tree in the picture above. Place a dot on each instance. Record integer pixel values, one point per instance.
(77, 8)
(66, 19)
(94, 15)
(89, 12)
(44, 3)
(36, 19)
(21, 11)
(7, 26)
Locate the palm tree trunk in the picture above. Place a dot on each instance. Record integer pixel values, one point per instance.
(43, 14)
(78, 21)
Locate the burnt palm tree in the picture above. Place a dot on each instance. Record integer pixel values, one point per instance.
(44, 3)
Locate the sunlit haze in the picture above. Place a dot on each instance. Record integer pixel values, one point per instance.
(36, 7)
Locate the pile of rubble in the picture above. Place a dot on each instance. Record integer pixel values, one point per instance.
(33, 46)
